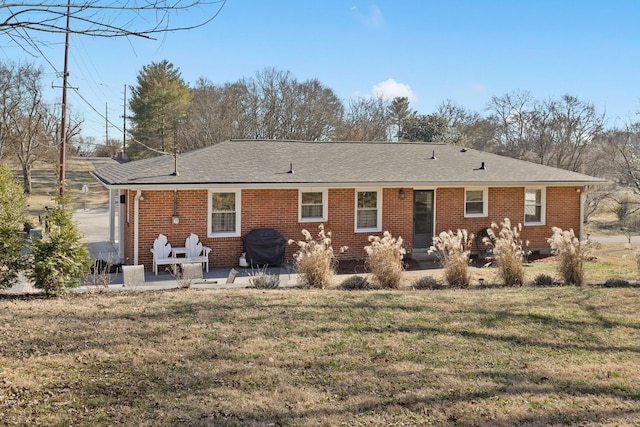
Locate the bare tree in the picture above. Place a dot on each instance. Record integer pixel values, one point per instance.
(318, 112)
(574, 125)
(465, 127)
(109, 149)
(95, 18)
(23, 115)
(272, 105)
(367, 119)
(558, 133)
(622, 147)
(512, 115)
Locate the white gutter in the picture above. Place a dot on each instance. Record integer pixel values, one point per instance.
(381, 184)
(136, 228)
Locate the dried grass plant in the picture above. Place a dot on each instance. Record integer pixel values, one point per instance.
(453, 251)
(99, 277)
(384, 259)
(507, 251)
(262, 279)
(571, 255)
(315, 261)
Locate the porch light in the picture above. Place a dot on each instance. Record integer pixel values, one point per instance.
(401, 194)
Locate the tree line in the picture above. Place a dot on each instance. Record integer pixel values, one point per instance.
(168, 115)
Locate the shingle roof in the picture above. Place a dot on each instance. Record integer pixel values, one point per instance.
(258, 163)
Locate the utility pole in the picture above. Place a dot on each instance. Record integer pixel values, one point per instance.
(106, 125)
(124, 123)
(63, 124)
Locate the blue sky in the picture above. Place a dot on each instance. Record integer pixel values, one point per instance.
(463, 50)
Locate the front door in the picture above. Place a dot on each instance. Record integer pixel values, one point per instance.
(422, 218)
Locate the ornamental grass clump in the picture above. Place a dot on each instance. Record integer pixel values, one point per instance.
(315, 261)
(384, 260)
(507, 251)
(571, 255)
(356, 283)
(453, 251)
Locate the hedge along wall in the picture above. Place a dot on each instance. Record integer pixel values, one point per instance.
(562, 210)
(261, 208)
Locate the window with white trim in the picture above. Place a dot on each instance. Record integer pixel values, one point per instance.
(224, 213)
(475, 202)
(534, 205)
(313, 206)
(368, 210)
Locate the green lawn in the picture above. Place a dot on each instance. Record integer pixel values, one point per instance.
(501, 356)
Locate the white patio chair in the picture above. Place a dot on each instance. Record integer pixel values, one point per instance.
(196, 252)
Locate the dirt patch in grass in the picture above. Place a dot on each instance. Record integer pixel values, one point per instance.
(525, 356)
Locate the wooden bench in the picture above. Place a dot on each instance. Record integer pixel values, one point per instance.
(194, 251)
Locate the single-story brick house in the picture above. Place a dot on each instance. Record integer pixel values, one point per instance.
(356, 189)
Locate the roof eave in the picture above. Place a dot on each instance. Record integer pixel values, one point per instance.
(380, 184)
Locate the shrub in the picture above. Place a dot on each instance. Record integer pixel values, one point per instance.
(13, 204)
(60, 259)
(354, 283)
(571, 255)
(507, 252)
(616, 283)
(384, 259)
(427, 282)
(99, 277)
(314, 260)
(453, 251)
(264, 280)
(544, 280)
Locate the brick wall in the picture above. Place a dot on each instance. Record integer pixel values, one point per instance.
(562, 210)
(278, 209)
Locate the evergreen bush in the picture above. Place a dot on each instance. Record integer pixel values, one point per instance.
(13, 204)
(60, 259)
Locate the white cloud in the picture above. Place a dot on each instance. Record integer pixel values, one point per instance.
(390, 89)
(373, 19)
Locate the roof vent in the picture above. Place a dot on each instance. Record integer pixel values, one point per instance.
(290, 168)
(464, 150)
(433, 156)
(481, 167)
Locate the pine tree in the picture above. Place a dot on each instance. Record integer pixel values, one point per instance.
(159, 103)
(13, 204)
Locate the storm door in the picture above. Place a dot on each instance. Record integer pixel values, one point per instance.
(422, 218)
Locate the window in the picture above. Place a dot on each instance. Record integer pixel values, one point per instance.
(368, 210)
(313, 206)
(475, 202)
(224, 213)
(533, 206)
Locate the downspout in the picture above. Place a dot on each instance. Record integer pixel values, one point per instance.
(136, 227)
(121, 224)
(582, 200)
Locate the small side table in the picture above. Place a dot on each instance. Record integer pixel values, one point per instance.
(179, 252)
